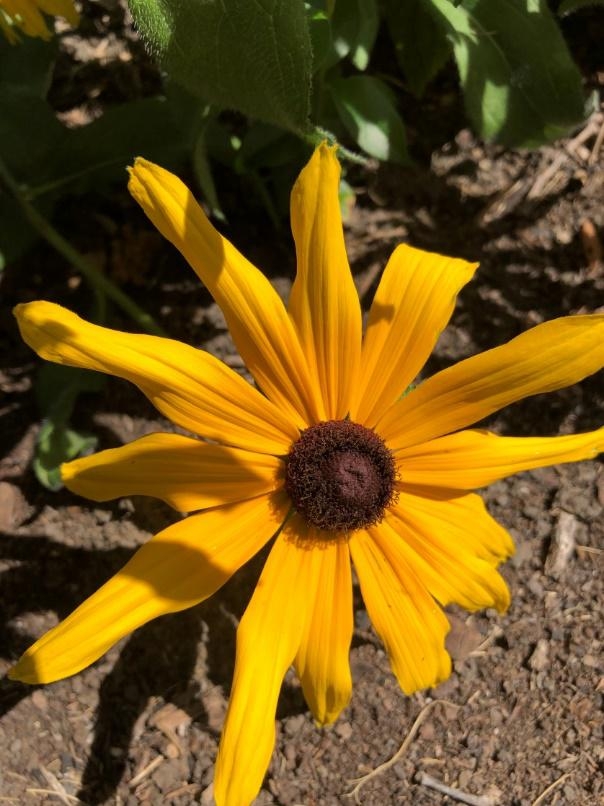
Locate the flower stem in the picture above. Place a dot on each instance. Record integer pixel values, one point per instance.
(101, 284)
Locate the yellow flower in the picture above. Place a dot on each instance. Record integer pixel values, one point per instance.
(27, 16)
(330, 459)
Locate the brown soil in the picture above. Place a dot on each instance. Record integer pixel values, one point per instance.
(522, 711)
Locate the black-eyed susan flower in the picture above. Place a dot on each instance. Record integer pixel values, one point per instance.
(327, 457)
(27, 16)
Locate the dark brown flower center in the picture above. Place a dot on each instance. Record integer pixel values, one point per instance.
(340, 476)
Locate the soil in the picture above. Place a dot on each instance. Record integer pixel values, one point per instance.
(520, 721)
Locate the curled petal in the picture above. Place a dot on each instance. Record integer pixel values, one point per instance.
(255, 315)
(191, 387)
(185, 473)
(179, 567)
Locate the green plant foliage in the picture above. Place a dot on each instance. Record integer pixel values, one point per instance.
(57, 444)
(319, 28)
(354, 26)
(253, 57)
(520, 84)
(569, 6)
(421, 45)
(369, 21)
(57, 389)
(28, 66)
(367, 110)
(49, 159)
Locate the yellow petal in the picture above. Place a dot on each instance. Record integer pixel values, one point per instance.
(322, 661)
(183, 472)
(268, 639)
(255, 315)
(470, 459)
(189, 386)
(464, 520)
(324, 304)
(404, 615)
(412, 305)
(427, 537)
(176, 569)
(547, 357)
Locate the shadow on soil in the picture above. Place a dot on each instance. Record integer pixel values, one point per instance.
(157, 660)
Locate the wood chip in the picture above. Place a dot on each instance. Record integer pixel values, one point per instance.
(539, 660)
(171, 721)
(563, 544)
(462, 640)
(592, 246)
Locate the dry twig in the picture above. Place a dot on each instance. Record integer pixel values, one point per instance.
(56, 788)
(595, 152)
(550, 788)
(456, 794)
(421, 717)
(146, 771)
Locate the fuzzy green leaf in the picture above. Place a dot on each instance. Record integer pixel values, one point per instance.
(252, 57)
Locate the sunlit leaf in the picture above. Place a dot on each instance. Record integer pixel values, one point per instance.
(354, 26)
(369, 20)
(366, 109)
(520, 84)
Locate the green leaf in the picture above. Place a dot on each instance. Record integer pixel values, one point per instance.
(570, 6)
(28, 66)
(369, 21)
(57, 388)
(520, 84)
(16, 233)
(354, 26)
(254, 57)
(99, 152)
(347, 199)
(319, 29)
(421, 45)
(57, 444)
(47, 158)
(366, 109)
(29, 132)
